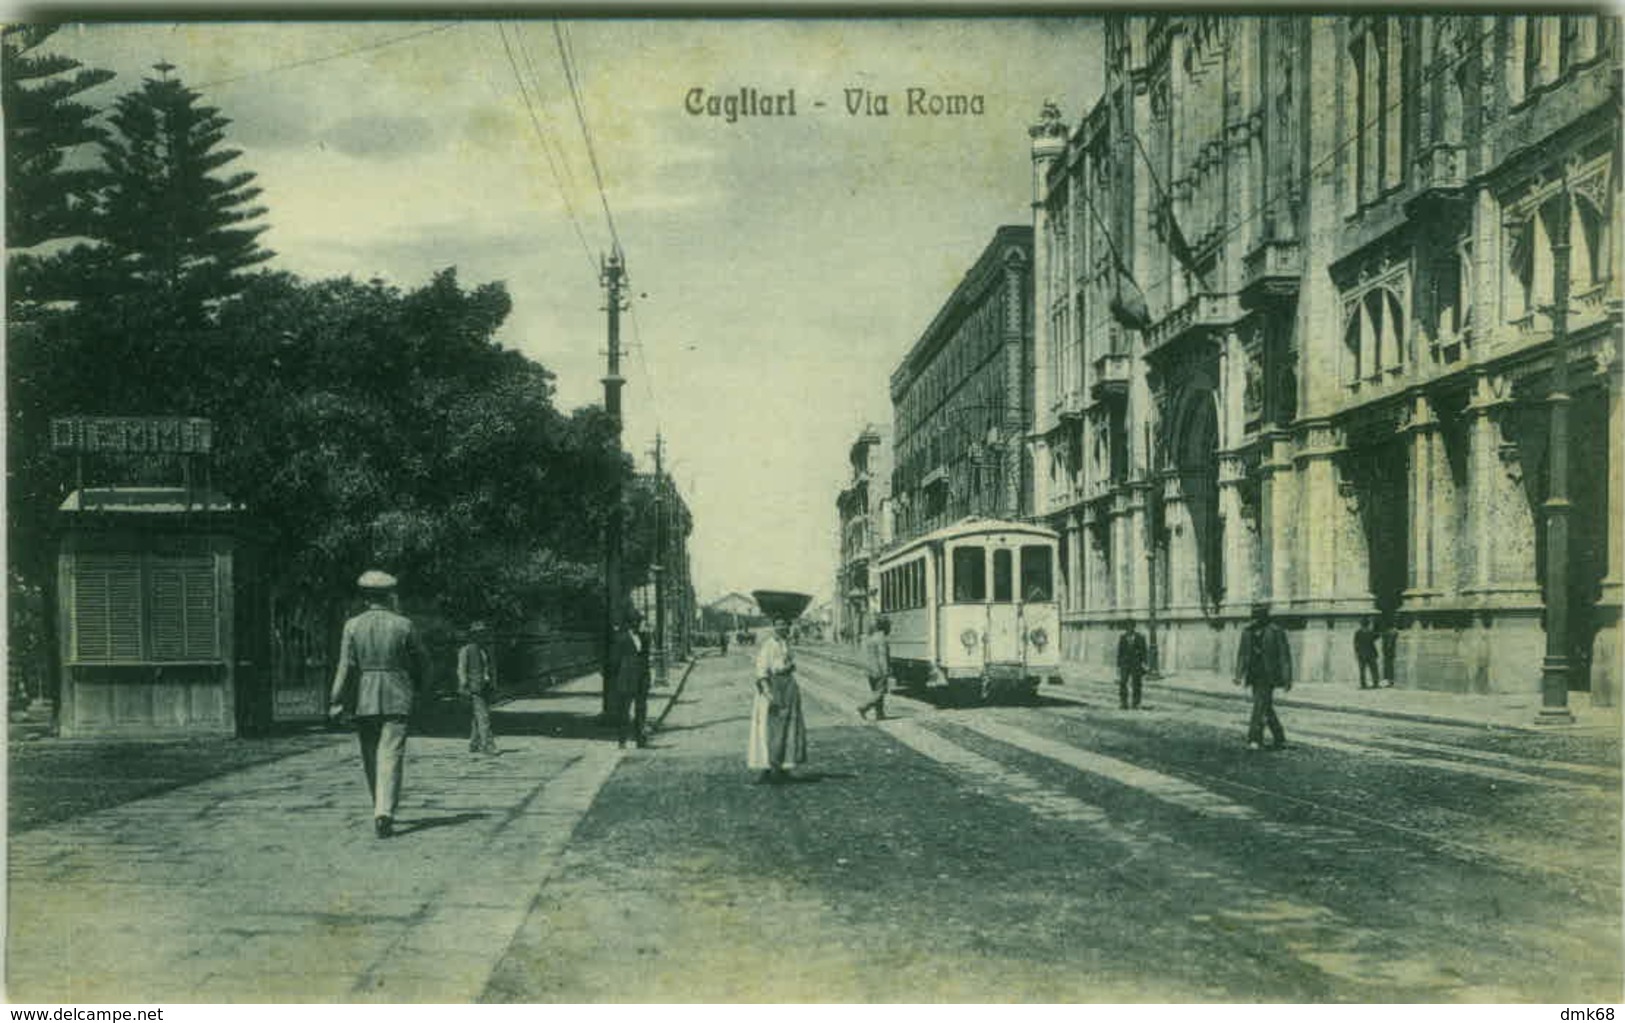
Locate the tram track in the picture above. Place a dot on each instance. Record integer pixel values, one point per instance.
(1219, 794)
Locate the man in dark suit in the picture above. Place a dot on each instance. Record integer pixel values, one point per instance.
(1131, 658)
(629, 681)
(1365, 652)
(1264, 664)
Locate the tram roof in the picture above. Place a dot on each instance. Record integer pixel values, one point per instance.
(970, 526)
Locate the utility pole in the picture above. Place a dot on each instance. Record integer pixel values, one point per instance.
(1554, 670)
(660, 566)
(612, 275)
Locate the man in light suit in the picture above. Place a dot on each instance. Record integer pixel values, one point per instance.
(382, 665)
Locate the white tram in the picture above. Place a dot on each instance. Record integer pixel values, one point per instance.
(972, 606)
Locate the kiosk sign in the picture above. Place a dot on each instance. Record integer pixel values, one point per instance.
(154, 435)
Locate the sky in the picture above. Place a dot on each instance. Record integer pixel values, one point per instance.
(779, 267)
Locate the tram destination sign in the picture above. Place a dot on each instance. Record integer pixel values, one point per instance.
(155, 435)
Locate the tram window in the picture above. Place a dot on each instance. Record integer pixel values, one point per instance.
(970, 575)
(919, 583)
(1036, 573)
(1002, 576)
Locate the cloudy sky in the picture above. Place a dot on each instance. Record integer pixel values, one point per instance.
(780, 267)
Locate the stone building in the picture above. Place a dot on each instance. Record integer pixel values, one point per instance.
(864, 509)
(1302, 296)
(961, 398)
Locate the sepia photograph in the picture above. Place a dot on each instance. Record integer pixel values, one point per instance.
(737, 506)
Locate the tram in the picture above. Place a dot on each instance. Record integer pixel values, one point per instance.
(972, 607)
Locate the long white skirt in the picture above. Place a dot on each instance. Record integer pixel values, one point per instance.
(778, 731)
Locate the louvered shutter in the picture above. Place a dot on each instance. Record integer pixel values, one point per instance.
(107, 607)
(182, 608)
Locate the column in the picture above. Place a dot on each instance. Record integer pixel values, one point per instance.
(1076, 537)
(1277, 504)
(1426, 449)
(1501, 522)
(1241, 552)
(1181, 574)
(1605, 648)
(1332, 573)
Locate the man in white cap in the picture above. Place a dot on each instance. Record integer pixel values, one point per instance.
(382, 665)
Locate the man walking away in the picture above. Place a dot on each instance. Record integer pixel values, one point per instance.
(1131, 658)
(1365, 652)
(382, 666)
(1263, 664)
(477, 681)
(877, 663)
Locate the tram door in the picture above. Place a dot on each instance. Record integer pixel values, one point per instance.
(1003, 620)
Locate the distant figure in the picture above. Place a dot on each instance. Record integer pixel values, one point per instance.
(1131, 661)
(1390, 642)
(477, 680)
(725, 644)
(1263, 664)
(629, 681)
(877, 664)
(778, 731)
(1365, 652)
(382, 665)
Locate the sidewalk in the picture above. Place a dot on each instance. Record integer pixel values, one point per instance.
(1513, 712)
(267, 885)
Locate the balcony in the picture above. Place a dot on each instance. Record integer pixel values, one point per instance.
(1272, 270)
(1111, 376)
(1202, 313)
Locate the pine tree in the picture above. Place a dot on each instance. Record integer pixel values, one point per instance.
(46, 199)
(176, 232)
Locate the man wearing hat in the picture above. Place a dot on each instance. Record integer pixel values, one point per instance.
(477, 681)
(629, 681)
(382, 664)
(1264, 664)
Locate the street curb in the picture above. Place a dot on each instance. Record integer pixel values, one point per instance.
(675, 694)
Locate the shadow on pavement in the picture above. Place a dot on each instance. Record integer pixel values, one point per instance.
(425, 824)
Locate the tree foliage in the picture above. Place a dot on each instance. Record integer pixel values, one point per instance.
(177, 229)
(361, 424)
(45, 197)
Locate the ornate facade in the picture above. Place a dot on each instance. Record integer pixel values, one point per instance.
(961, 398)
(1300, 282)
(864, 510)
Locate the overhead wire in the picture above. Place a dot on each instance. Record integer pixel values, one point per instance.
(338, 55)
(567, 59)
(541, 136)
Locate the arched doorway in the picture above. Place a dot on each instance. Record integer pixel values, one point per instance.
(1195, 451)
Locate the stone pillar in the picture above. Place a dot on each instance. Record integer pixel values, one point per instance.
(1182, 553)
(1606, 647)
(1500, 520)
(1332, 573)
(1277, 491)
(1422, 584)
(1241, 551)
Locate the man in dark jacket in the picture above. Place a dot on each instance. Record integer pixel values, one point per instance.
(1131, 658)
(629, 681)
(1264, 664)
(1365, 652)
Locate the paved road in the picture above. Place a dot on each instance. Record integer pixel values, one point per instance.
(1076, 852)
